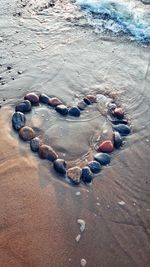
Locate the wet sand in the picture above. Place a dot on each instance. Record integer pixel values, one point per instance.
(39, 211)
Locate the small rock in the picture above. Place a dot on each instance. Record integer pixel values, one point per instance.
(82, 105)
(18, 120)
(32, 97)
(43, 98)
(82, 224)
(78, 237)
(74, 174)
(83, 262)
(119, 113)
(35, 144)
(102, 158)
(46, 152)
(87, 101)
(54, 102)
(92, 98)
(26, 133)
(117, 121)
(111, 106)
(106, 146)
(60, 166)
(24, 106)
(62, 109)
(121, 203)
(19, 72)
(87, 175)
(95, 166)
(117, 140)
(9, 67)
(74, 111)
(122, 129)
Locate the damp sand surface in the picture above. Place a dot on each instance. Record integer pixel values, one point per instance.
(48, 51)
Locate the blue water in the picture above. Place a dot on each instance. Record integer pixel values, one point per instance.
(118, 18)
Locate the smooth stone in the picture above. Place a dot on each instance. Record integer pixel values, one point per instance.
(111, 106)
(54, 102)
(122, 129)
(117, 121)
(117, 140)
(92, 98)
(62, 109)
(87, 175)
(106, 146)
(18, 120)
(87, 101)
(24, 106)
(60, 166)
(74, 174)
(43, 98)
(47, 152)
(35, 144)
(82, 105)
(74, 111)
(102, 158)
(26, 133)
(119, 113)
(95, 166)
(32, 97)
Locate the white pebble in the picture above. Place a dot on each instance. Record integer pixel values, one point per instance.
(83, 262)
(82, 224)
(78, 193)
(78, 238)
(122, 203)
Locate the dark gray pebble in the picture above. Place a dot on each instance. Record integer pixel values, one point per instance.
(18, 120)
(60, 166)
(82, 105)
(95, 166)
(24, 106)
(117, 140)
(35, 144)
(116, 122)
(102, 158)
(122, 129)
(62, 109)
(87, 101)
(43, 98)
(74, 111)
(87, 175)
(9, 67)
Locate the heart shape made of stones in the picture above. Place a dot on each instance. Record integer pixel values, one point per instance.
(115, 114)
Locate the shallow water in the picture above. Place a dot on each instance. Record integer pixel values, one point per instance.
(58, 53)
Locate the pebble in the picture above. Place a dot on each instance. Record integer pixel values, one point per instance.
(95, 166)
(74, 174)
(82, 224)
(74, 111)
(43, 98)
(54, 102)
(87, 101)
(9, 67)
(62, 109)
(60, 166)
(24, 106)
(87, 175)
(32, 97)
(18, 120)
(106, 146)
(92, 98)
(117, 121)
(83, 262)
(102, 158)
(111, 106)
(121, 203)
(78, 237)
(82, 105)
(35, 144)
(117, 139)
(26, 133)
(47, 152)
(119, 113)
(122, 129)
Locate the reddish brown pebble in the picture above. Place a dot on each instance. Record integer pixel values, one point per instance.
(106, 146)
(92, 98)
(119, 113)
(26, 133)
(32, 97)
(46, 152)
(54, 102)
